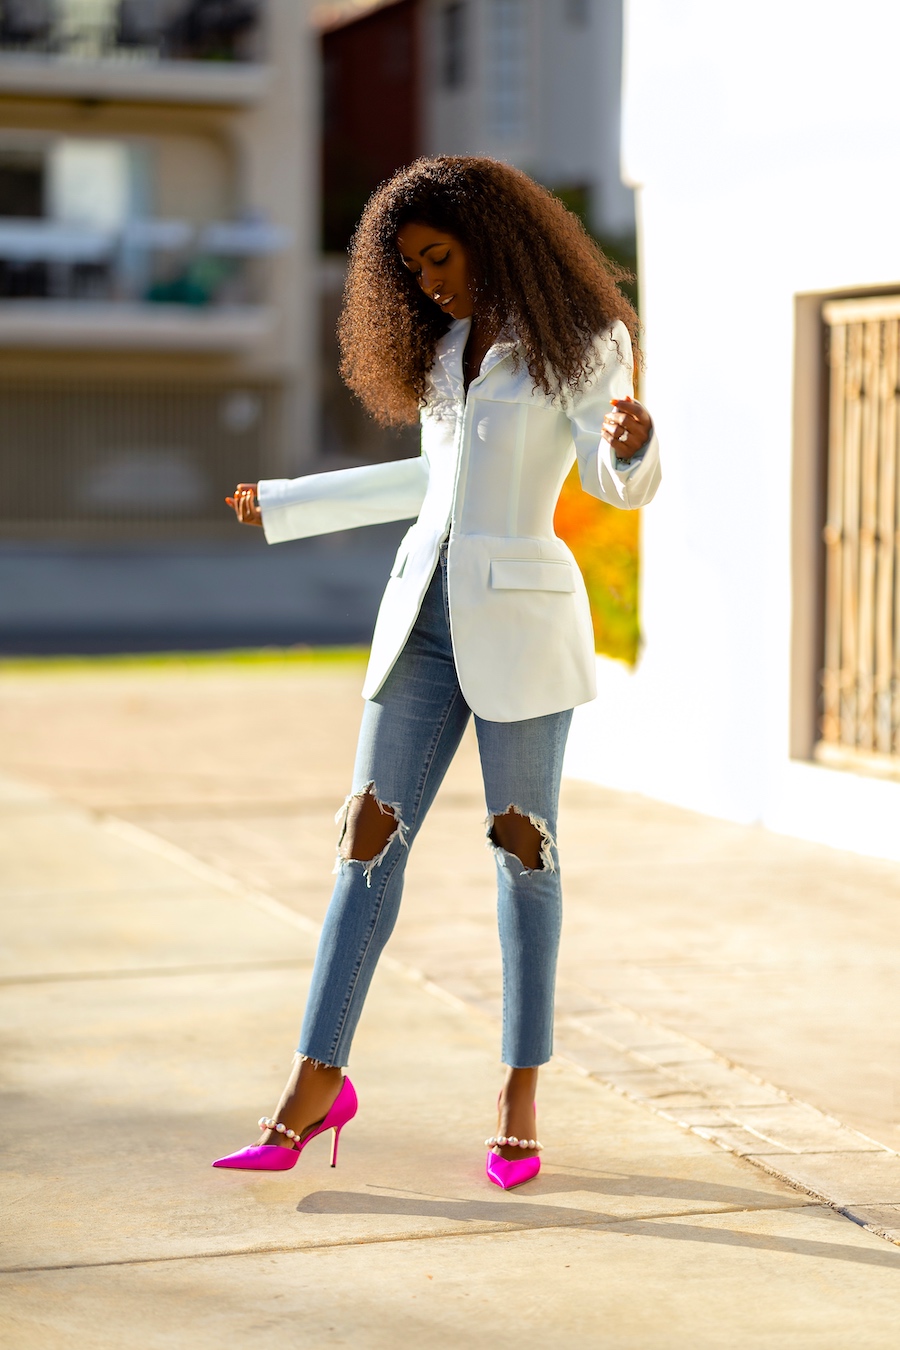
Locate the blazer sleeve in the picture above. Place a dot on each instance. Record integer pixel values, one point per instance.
(319, 503)
(625, 483)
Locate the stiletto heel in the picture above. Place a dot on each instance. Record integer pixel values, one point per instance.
(509, 1172)
(273, 1158)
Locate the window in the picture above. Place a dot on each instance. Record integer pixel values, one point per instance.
(453, 46)
(22, 184)
(507, 75)
(860, 724)
(85, 184)
(90, 182)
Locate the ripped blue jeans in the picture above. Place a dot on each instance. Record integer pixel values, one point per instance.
(410, 733)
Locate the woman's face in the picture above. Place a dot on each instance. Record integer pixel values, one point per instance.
(440, 264)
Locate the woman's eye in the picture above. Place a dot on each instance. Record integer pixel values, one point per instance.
(439, 262)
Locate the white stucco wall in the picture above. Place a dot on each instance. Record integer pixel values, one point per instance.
(764, 141)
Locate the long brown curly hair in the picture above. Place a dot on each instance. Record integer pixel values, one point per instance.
(537, 274)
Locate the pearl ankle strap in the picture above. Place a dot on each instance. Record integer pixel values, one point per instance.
(503, 1140)
(267, 1123)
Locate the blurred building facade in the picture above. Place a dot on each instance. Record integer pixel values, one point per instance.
(158, 212)
(155, 253)
(536, 83)
(769, 687)
(178, 183)
(371, 94)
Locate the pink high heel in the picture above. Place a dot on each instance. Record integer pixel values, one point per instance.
(509, 1172)
(273, 1158)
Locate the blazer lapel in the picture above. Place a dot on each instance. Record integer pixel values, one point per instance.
(502, 348)
(447, 371)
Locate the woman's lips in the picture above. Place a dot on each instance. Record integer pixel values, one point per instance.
(446, 300)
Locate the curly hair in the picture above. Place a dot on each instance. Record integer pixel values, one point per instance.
(537, 273)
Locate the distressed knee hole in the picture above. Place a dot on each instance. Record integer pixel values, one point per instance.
(368, 827)
(525, 837)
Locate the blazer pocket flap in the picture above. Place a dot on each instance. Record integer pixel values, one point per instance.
(531, 574)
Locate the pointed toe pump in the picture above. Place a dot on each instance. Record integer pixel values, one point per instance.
(509, 1172)
(274, 1158)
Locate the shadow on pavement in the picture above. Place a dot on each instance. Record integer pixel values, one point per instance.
(525, 1215)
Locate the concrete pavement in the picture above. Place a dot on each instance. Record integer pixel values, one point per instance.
(777, 955)
(147, 1006)
(161, 894)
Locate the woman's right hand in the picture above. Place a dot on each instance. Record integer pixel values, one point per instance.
(245, 504)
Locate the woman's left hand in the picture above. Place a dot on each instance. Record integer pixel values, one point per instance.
(627, 428)
(245, 503)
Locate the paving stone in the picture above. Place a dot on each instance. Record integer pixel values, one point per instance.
(883, 1219)
(805, 1131)
(744, 1143)
(721, 1084)
(846, 1178)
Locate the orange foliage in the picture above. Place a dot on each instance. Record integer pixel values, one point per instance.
(605, 542)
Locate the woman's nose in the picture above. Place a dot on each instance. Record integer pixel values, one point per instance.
(429, 282)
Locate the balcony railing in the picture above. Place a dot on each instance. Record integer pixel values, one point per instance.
(133, 30)
(152, 285)
(153, 260)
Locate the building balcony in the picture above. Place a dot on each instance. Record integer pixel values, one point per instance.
(150, 285)
(86, 325)
(157, 51)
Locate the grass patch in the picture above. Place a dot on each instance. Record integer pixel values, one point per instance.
(258, 658)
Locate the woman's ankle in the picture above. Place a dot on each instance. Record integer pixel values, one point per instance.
(307, 1098)
(516, 1117)
(519, 1087)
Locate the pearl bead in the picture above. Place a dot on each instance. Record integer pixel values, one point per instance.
(532, 1143)
(502, 1139)
(512, 1141)
(289, 1134)
(523, 1143)
(488, 1143)
(280, 1127)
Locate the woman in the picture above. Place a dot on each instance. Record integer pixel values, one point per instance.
(476, 303)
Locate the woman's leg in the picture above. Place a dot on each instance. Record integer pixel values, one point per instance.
(409, 735)
(522, 767)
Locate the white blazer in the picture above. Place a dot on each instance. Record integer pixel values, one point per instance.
(488, 479)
